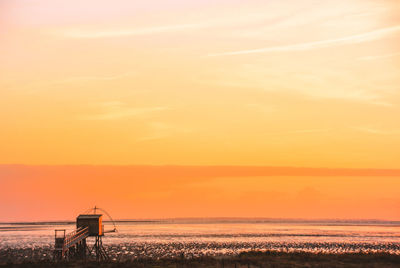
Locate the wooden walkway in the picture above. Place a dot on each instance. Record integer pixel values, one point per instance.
(70, 244)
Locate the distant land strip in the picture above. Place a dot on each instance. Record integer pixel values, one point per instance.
(176, 171)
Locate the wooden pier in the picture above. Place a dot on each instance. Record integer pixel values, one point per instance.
(73, 245)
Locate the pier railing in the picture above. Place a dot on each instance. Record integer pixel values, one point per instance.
(75, 237)
(66, 241)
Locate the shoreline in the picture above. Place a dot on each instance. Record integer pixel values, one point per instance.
(197, 250)
(246, 259)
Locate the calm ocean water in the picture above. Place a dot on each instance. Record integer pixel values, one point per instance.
(193, 238)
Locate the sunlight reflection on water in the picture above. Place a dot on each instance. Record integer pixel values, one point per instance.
(165, 239)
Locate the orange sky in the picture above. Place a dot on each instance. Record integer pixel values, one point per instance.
(297, 83)
(62, 192)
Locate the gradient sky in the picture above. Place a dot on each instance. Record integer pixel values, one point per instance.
(298, 83)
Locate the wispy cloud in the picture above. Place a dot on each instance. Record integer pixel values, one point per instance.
(34, 87)
(314, 130)
(353, 39)
(125, 31)
(378, 57)
(161, 130)
(350, 94)
(262, 108)
(311, 85)
(300, 131)
(374, 130)
(118, 110)
(94, 78)
(90, 34)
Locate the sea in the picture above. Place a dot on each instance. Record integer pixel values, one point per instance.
(192, 238)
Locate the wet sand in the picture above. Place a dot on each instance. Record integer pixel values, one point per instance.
(194, 250)
(247, 259)
(213, 244)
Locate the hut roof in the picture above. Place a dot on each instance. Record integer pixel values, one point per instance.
(89, 216)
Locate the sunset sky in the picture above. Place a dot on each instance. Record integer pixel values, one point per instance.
(138, 102)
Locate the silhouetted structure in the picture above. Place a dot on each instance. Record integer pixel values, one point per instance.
(92, 221)
(73, 245)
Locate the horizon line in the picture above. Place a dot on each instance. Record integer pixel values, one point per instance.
(231, 170)
(199, 218)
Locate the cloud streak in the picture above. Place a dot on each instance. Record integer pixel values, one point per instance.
(353, 39)
(376, 131)
(117, 110)
(160, 130)
(386, 56)
(131, 32)
(171, 28)
(95, 78)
